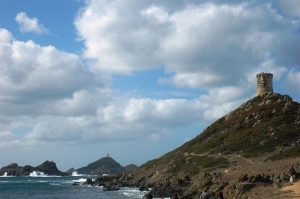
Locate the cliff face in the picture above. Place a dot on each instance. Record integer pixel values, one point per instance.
(105, 165)
(266, 128)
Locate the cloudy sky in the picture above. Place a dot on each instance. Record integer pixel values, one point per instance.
(135, 78)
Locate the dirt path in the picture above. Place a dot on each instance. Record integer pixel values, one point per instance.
(294, 188)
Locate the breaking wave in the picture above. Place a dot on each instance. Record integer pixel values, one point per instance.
(38, 174)
(74, 173)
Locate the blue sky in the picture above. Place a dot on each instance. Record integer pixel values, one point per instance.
(136, 78)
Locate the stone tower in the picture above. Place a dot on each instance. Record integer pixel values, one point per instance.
(264, 83)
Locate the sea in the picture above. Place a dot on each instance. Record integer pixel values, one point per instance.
(46, 187)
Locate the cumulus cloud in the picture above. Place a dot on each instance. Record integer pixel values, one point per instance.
(41, 81)
(201, 44)
(32, 72)
(49, 95)
(28, 24)
(218, 47)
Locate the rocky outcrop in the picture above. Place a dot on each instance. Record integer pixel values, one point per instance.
(26, 170)
(106, 165)
(11, 170)
(70, 171)
(48, 168)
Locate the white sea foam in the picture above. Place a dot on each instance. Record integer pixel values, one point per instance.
(37, 181)
(4, 175)
(38, 174)
(132, 192)
(79, 181)
(74, 173)
(55, 184)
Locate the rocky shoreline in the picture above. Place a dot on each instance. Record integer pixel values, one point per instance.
(187, 188)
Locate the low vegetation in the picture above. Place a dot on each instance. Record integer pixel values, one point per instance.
(263, 125)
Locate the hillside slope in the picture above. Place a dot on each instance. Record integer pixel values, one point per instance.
(265, 128)
(249, 153)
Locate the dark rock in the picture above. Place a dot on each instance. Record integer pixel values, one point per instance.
(11, 170)
(143, 188)
(49, 168)
(111, 188)
(76, 183)
(26, 170)
(260, 178)
(162, 191)
(70, 171)
(245, 187)
(243, 178)
(89, 181)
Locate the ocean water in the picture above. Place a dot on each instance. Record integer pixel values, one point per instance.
(58, 188)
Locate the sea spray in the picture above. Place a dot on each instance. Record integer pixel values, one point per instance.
(74, 173)
(4, 175)
(37, 174)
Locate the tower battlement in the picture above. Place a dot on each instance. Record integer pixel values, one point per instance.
(264, 83)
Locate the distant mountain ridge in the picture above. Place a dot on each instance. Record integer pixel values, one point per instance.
(105, 165)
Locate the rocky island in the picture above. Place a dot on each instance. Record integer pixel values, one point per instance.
(47, 167)
(105, 165)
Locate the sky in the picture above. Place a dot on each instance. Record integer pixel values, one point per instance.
(136, 78)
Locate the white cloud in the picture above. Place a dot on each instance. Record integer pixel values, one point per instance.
(30, 72)
(6, 136)
(28, 24)
(214, 46)
(191, 80)
(157, 13)
(39, 82)
(201, 44)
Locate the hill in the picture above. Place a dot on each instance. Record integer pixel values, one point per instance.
(260, 138)
(105, 165)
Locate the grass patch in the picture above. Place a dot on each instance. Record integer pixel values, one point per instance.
(292, 152)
